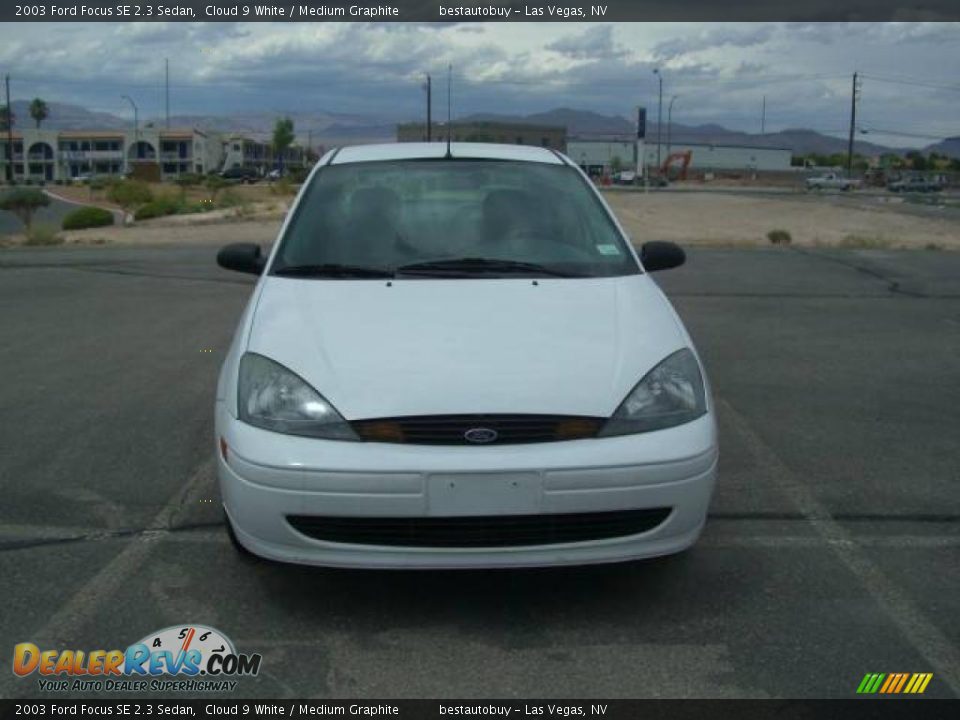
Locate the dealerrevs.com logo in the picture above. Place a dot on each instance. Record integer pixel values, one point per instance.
(189, 658)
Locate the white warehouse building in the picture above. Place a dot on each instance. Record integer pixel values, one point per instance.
(597, 157)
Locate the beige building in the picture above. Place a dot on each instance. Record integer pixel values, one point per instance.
(152, 153)
(243, 151)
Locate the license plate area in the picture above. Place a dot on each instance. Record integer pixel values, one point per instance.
(479, 494)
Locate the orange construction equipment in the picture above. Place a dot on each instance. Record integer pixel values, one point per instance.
(684, 156)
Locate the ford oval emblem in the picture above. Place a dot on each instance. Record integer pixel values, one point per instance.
(479, 436)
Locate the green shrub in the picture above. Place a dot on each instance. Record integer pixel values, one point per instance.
(24, 203)
(198, 207)
(779, 237)
(101, 183)
(87, 217)
(43, 235)
(129, 194)
(215, 184)
(157, 208)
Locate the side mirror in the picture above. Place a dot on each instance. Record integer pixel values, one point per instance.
(242, 257)
(659, 255)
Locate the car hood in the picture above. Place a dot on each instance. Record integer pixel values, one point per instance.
(425, 347)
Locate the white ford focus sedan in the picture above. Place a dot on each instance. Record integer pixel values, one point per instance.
(455, 358)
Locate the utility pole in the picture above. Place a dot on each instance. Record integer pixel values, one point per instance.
(853, 123)
(763, 117)
(9, 120)
(166, 73)
(656, 71)
(429, 109)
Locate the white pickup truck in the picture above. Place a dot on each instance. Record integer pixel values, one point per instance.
(830, 181)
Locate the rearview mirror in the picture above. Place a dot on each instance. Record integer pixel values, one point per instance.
(659, 255)
(242, 257)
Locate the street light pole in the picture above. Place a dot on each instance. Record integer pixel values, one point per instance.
(656, 71)
(136, 131)
(429, 109)
(670, 121)
(9, 121)
(136, 116)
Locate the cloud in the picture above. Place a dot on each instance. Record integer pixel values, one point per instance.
(596, 43)
(711, 39)
(721, 71)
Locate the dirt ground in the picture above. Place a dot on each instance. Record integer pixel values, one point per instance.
(690, 218)
(713, 218)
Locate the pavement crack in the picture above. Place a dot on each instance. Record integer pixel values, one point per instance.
(893, 286)
(101, 535)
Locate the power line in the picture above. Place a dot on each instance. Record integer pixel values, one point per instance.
(914, 83)
(901, 133)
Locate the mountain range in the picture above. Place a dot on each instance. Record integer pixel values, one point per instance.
(327, 128)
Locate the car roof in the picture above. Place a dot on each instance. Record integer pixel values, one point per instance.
(426, 151)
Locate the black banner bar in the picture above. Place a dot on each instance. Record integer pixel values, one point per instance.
(860, 709)
(478, 10)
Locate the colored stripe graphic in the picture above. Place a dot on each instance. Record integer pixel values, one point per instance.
(894, 683)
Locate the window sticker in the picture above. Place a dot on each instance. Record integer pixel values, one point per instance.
(608, 249)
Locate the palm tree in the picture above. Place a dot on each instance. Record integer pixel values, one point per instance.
(39, 111)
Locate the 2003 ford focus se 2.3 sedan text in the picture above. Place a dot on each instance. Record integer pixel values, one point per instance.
(454, 358)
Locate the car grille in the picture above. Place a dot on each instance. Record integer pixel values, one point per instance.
(454, 429)
(479, 532)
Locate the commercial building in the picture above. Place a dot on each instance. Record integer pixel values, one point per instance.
(150, 153)
(243, 151)
(601, 156)
(548, 136)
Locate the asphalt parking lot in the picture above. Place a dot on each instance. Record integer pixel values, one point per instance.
(832, 549)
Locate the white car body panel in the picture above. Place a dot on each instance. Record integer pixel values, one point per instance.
(466, 346)
(417, 347)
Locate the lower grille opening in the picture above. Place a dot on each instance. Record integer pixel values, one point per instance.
(479, 532)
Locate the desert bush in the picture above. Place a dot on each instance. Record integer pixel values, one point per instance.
(779, 237)
(283, 186)
(87, 217)
(215, 184)
(43, 234)
(100, 183)
(159, 207)
(24, 203)
(864, 242)
(130, 194)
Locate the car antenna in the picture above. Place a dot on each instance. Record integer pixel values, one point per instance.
(449, 155)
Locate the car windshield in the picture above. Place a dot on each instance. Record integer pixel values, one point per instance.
(451, 218)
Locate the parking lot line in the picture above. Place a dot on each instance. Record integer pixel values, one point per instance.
(62, 626)
(920, 632)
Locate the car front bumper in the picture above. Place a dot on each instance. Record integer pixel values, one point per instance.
(267, 477)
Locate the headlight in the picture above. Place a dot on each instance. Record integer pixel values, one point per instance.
(670, 394)
(270, 396)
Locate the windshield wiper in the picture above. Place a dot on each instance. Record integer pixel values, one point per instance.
(471, 265)
(333, 270)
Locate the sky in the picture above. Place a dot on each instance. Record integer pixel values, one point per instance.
(720, 73)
